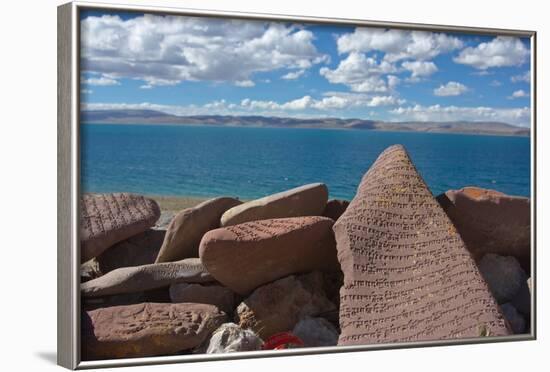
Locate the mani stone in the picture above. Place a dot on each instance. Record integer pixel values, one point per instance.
(407, 273)
(147, 329)
(335, 208)
(184, 233)
(307, 200)
(146, 277)
(106, 219)
(214, 294)
(141, 249)
(245, 256)
(230, 338)
(279, 306)
(491, 222)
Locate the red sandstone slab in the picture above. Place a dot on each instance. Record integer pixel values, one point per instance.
(407, 273)
(245, 256)
(106, 219)
(307, 200)
(186, 229)
(491, 222)
(147, 329)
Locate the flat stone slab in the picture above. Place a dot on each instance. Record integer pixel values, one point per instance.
(214, 294)
(245, 256)
(407, 273)
(147, 329)
(186, 229)
(307, 200)
(106, 219)
(491, 222)
(146, 277)
(140, 249)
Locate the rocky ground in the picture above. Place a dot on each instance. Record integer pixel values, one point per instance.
(226, 275)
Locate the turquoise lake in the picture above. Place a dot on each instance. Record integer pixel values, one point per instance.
(205, 161)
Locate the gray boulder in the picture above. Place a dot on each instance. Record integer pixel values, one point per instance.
(316, 332)
(503, 275)
(517, 322)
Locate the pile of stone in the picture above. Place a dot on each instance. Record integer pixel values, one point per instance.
(224, 276)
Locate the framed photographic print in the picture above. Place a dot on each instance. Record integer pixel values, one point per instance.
(235, 185)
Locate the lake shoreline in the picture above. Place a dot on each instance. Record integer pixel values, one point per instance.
(464, 133)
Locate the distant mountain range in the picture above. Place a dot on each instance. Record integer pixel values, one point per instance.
(157, 117)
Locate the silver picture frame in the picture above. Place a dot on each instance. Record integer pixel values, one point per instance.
(68, 182)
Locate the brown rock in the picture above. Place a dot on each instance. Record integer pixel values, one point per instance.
(491, 222)
(214, 294)
(407, 273)
(335, 208)
(146, 277)
(278, 306)
(307, 200)
(141, 249)
(185, 231)
(106, 219)
(147, 329)
(245, 256)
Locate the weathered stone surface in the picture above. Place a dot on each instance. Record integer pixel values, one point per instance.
(146, 277)
(335, 208)
(186, 229)
(278, 306)
(89, 270)
(491, 222)
(514, 318)
(316, 332)
(503, 275)
(106, 219)
(307, 200)
(146, 329)
(220, 296)
(407, 273)
(158, 295)
(231, 338)
(140, 249)
(245, 256)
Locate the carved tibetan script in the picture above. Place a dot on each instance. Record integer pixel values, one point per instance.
(407, 273)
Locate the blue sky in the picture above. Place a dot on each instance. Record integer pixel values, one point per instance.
(194, 66)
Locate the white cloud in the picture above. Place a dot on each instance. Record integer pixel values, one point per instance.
(86, 91)
(398, 44)
(245, 83)
(330, 102)
(499, 52)
(516, 116)
(361, 73)
(452, 88)
(293, 75)
(100, 81)
(420, 69)
(525, 77)
(519, 94)
(166, 50)
(495, 83)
